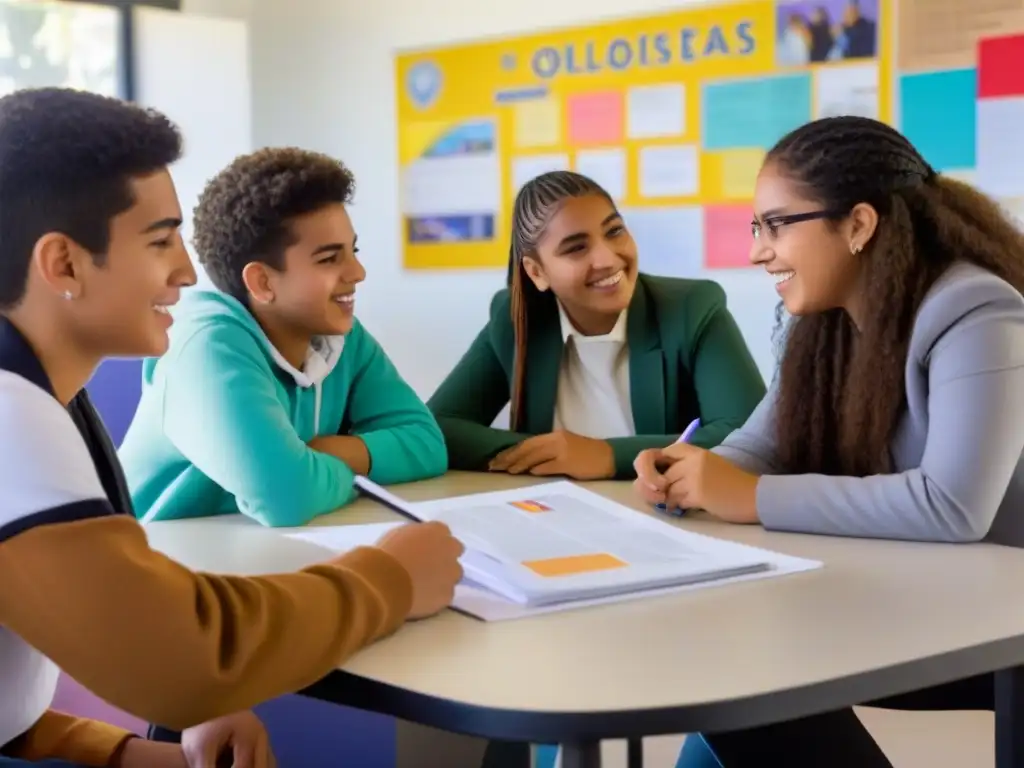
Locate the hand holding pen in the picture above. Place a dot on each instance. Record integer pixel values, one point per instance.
(683, 476)
(651, 484)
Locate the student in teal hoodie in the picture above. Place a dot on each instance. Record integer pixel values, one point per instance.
(272, 396)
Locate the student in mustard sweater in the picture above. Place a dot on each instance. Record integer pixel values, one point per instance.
(273, 396)
(91, 258)
(598, 360)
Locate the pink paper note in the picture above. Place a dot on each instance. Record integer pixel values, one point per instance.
(727, 238)
(596, 118)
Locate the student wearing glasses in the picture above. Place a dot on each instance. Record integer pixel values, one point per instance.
(898, 409)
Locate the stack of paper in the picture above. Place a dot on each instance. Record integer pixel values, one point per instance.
(557, 545)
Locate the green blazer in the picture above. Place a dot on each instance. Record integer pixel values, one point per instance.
(687, 359)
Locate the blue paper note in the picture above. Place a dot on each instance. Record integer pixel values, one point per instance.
(937, 115)
(754, 113)
(669, 240)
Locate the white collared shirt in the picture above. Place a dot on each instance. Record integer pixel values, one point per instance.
(593, 382)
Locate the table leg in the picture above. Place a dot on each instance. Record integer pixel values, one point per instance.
(1010, 718)
(584, 754)
(635, 753)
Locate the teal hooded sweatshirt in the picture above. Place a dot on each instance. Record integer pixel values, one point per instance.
(224, 421)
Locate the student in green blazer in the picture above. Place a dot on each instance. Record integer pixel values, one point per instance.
(598, 360)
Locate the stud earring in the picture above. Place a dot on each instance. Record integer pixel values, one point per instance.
(68, 295)
(854, 249)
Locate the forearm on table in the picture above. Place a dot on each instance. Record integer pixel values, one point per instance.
(175, 647)
(471, 445)
(348, 448)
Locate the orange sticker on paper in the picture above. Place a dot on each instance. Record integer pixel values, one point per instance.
(530, 506)
(574, 565)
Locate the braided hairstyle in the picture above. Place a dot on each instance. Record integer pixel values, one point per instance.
(537, 203)
(841, 388)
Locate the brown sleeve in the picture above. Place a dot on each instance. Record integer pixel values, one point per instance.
(57, 736)
(176, 647)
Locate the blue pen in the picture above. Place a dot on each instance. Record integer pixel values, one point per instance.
(692, 427)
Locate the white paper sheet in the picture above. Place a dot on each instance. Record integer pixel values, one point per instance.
(557, 520)
(342, 538)
(846, 90)
(452, 185)
(605, 166)
(669, 171)
(529, 167)
(655, 111)
(485, 605)
(670, 240)
(1000, 170)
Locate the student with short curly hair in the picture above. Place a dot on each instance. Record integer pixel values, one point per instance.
(273, 397)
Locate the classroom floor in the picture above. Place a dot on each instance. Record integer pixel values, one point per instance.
(910, 739)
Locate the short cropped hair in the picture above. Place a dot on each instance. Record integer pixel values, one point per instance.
(243, 215)
(67, 158)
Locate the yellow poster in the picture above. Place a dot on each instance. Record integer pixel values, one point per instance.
(672, 113)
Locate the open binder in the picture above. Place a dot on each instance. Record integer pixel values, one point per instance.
(559, 543)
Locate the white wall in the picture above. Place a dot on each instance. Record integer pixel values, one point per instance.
(207, 92)
(323, 79)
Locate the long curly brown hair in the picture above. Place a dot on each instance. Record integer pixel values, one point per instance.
(841, 388)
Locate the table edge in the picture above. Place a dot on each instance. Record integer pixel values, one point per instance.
(538, 726)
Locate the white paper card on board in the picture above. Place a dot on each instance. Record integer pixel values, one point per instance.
(530, 167)
(846, 90)
(669, 240)
(451, 185)
(1000, 170)
(669, 171)
(655, 111)
(605, 166)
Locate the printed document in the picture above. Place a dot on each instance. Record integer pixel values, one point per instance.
(559, 545)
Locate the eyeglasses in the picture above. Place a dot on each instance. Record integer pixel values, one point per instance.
(772, 223)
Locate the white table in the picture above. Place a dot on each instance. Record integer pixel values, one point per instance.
(880, 618)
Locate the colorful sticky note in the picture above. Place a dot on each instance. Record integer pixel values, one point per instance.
(538, 123)
(1001, 66)
(573, 565)
(754, 113)
(739, 169)
(596, 118)
(727, 238)
(937, 115)
(530, 506)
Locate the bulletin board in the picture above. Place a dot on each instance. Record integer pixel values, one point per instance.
(672, 114)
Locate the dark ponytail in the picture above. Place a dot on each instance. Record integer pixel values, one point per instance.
(535, 205)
